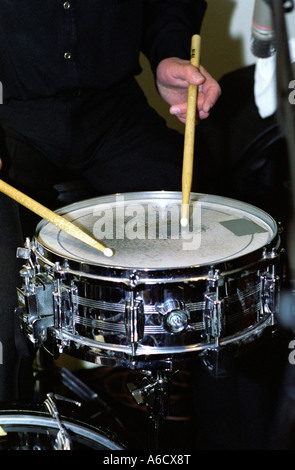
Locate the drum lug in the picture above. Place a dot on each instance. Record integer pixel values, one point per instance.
(134, 321)
(175, 315)
(65, 306)
(270, 290)
(213, 315)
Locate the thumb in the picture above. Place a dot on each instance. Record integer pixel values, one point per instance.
(189, 73)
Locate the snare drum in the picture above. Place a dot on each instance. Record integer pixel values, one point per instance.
(167, 292)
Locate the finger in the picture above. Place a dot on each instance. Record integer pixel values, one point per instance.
(181, 108)
(182, 119)
(204, 104)
(180, 112)
(203, 115)
(186, 73)
(178, 109)
(209, 97)
(195, 77)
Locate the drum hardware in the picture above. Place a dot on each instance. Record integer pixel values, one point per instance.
(134, 321)
(97, 411)
(156, 314)
(219, 362)
(96, 406)
(270, 289)
(34, 323)
(48, 376)
(214, 304)
(64, 305)
(44, 299)
(219, 359)
(33, 428)
(215, 359)
(63, 440)
(270, 286)
(175, 315)
(154, 394)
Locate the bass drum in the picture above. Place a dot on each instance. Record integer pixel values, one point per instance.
(35, 429)
(167, 293)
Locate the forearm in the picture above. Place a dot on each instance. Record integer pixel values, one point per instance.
(168, 28)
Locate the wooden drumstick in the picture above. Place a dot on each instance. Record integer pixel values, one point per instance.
(189, 135)
(52, 217)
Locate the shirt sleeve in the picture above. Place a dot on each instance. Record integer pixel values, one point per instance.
(168, 28)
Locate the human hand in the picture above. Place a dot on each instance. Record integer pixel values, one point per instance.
(173, 78)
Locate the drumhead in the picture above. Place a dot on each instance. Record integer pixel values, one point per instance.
(145, 232)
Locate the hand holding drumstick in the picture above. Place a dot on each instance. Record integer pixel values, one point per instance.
(174, 76)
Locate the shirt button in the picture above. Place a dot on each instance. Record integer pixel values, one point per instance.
(66, 5)
(67, 55)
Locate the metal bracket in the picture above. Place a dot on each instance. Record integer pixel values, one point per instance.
(35, 305)
(134, 321)
(213, 314)
(270, 293)
(65, 307)
(270, 287)
(63, 440)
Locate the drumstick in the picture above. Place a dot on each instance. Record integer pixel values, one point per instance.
(52, 217)
(189, 135)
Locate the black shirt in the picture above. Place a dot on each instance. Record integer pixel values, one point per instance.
(48, 46)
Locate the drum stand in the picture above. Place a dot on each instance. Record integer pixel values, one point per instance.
(154, 394)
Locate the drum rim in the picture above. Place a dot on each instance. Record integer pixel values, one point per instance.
(10, 417)
(107, 272)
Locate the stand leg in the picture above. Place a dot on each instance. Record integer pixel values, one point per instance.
(155, 395)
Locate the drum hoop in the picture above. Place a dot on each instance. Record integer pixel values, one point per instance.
(31, 418)
(138, 276)
(126, 275)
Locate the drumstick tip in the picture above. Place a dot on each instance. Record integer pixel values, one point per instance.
(108, 252)
(184, 221)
